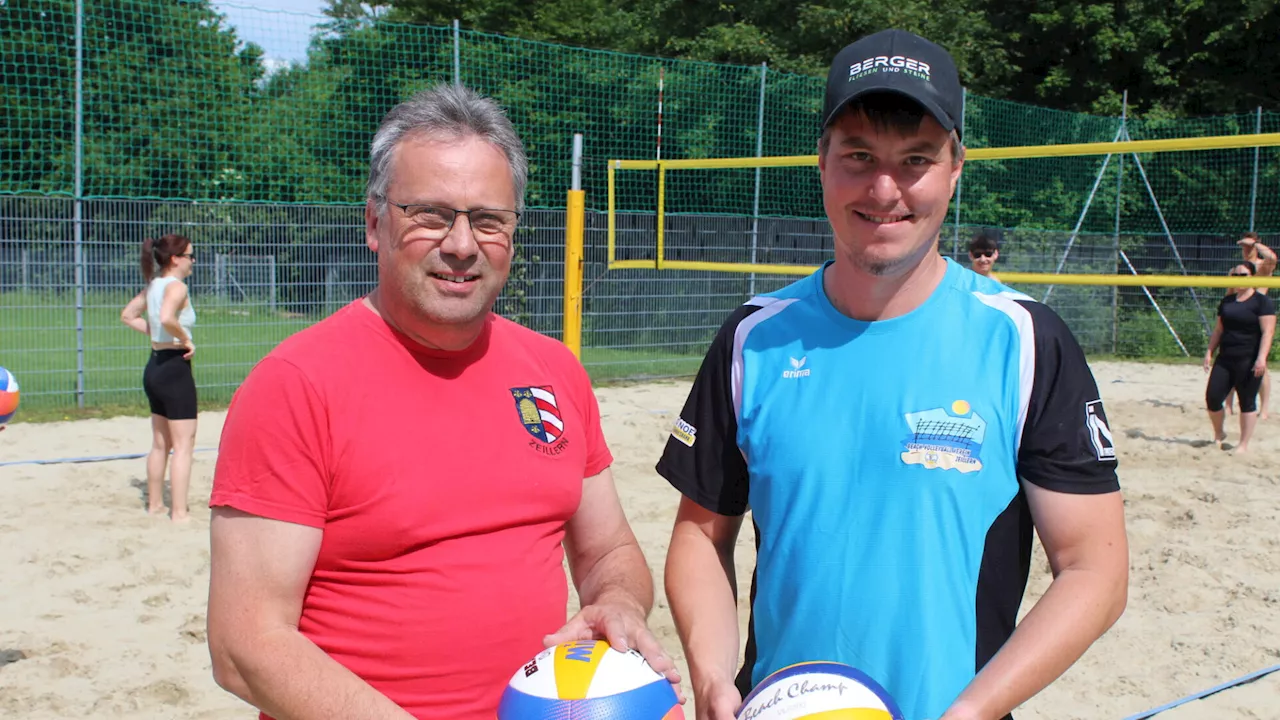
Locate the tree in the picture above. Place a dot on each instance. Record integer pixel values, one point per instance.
(167, 93)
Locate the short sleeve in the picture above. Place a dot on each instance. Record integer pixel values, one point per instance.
(1067, 444)
(702, 459)
(1266, 306)
(274, 450)
(598, 455)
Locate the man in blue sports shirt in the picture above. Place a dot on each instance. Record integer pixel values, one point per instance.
(899, 427)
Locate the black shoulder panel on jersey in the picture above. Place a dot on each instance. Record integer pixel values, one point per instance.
(702, 459)
(1067, 445)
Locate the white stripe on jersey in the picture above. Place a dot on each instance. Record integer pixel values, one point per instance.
(1006, 302)
(544, 396)
(549, 419)
(769, 307)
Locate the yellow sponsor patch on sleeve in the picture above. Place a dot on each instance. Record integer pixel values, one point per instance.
(684, 432)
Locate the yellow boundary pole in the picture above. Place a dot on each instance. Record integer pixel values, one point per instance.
(612, 201)
(660, 261)
(574, 224)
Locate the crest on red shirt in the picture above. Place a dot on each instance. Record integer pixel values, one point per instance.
(539, 412)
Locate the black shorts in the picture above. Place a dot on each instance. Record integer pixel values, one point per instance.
(170, 386)
(1233, 373)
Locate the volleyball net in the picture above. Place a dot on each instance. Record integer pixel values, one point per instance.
(1130, 240)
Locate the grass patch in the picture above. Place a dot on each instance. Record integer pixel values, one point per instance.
(40, 349)
(610, 365)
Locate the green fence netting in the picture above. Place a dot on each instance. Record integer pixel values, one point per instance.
(175, 105)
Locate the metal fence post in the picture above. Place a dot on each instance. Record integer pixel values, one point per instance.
(457, 54)
(1253, 191)
(755, 203)
(1115, 289)
(77, 200)
(955, 224)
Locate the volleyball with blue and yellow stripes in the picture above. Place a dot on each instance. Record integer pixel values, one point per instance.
(819, 691)
(588, 680)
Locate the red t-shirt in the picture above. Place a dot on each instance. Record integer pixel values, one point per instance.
(442, 481)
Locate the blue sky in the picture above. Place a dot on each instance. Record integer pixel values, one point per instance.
(281, 27)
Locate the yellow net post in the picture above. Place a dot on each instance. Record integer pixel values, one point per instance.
(574, 226)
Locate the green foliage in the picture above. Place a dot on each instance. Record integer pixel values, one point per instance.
(176, 106)
(167, 94)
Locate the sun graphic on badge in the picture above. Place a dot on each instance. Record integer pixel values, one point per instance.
(945, 439)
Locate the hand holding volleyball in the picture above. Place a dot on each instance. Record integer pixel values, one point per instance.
(623, 625)
(722, 702)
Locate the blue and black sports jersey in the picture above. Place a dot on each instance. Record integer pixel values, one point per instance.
(881, 463)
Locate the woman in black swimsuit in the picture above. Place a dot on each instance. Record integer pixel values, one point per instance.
(1242, 337)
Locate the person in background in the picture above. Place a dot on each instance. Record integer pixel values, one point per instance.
(1264, 260)
(163, 311)
(983, 253)
(1242, 338)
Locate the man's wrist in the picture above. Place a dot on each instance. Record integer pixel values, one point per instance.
(706, 682)
(621, 597)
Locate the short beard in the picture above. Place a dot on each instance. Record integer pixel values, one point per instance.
(884, 268)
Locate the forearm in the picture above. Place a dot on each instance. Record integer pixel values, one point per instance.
(139, 324)
(1264, 349)
(288, 677)
(622, 575)
(1213, 342)
(176, 330)
(700, 587)
(1079, 606)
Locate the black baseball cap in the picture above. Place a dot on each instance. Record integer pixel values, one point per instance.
(896, 61)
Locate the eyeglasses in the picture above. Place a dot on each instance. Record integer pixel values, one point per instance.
(190, 255)
(438, 221)
(1233, 273)
(982, 253)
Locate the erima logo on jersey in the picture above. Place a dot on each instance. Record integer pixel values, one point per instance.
(798, 370)
(1095, 420)
(684, 432)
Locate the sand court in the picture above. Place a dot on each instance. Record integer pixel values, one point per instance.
(102, 606)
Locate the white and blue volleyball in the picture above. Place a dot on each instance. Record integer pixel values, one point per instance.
(588, 680)
(819, 690)
(9, 396)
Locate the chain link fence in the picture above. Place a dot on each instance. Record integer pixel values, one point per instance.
(153, 117)
(264, 272)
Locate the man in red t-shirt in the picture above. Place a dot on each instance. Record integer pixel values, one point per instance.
(395, 483)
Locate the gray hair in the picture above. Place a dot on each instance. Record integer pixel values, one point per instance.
(446, 112)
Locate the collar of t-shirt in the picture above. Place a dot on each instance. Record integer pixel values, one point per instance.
(433, 356)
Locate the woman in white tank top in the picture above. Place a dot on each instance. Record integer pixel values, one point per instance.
(163, 311)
